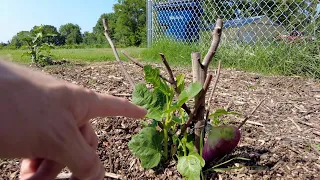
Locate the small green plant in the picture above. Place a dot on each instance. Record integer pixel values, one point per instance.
(152, 145)
(165, 139)
(39, 51)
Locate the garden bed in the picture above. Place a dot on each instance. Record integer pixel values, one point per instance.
(276, 139)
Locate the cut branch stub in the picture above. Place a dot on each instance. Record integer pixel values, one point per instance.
(199, 75)
(201, 95)
(216, 36)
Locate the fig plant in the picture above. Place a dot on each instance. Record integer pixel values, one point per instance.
(176, 131)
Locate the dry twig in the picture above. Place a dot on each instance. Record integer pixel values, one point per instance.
(294, 123)
(141, 65)
(254, 123)
(107, 174)
(210, 98)
(316, 133)
(122, 95)
(309, 124)
(132, 59)
(253, 111)
(214, 85)
(212, 91)
(106, 33)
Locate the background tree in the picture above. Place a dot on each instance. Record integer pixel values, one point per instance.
(130, 29)
(71, 33)
(89, 38)
(98, 29)
(293, 14)
(17, 40)
(49, 29)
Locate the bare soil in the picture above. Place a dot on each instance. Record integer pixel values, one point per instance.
(278, 139)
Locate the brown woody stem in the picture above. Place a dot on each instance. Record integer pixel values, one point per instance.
(171, 80)
(214, 43)
(171, 77)
(140, 65)
(197, 105)
(106, 33)
(132, 59)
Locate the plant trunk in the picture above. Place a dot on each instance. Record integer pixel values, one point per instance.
(199, 75)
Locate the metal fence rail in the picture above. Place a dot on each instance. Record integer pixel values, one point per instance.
(245, 21)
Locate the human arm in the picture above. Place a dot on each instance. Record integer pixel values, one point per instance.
(45, 121)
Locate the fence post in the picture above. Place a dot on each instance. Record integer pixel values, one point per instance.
(149, 23)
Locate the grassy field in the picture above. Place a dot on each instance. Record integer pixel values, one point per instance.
(279, 59)
(82, 55)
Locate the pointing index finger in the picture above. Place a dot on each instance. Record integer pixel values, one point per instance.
(102, 105)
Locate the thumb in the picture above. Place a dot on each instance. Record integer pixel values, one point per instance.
(81, 158)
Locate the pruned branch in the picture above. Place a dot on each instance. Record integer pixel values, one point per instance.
(252, 112)
(197, 105)
(171, 80)
(216, 35)
(106, 33)
(132, 59)
(141, 65)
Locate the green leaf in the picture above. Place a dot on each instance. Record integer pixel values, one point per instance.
(180, 82)
(152, 76)
(153, 101)
(190, 166)
(177, 120)
(141, 95)
(220, 112)
(317, 146)
(189, 93)
(147, 147)
(39, 35)
(146, 124)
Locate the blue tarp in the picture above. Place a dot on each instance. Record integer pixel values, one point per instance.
(180, 19)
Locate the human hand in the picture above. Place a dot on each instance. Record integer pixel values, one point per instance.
(45, 121)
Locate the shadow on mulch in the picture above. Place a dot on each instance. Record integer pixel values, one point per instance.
(253, 154)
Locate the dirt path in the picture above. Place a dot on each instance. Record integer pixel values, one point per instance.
(277, 139)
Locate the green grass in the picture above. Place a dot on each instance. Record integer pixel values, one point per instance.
(82, 55)
(279, 59)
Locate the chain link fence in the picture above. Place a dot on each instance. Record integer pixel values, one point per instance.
(249, 22)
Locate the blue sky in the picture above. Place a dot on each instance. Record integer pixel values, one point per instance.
(17, 15)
